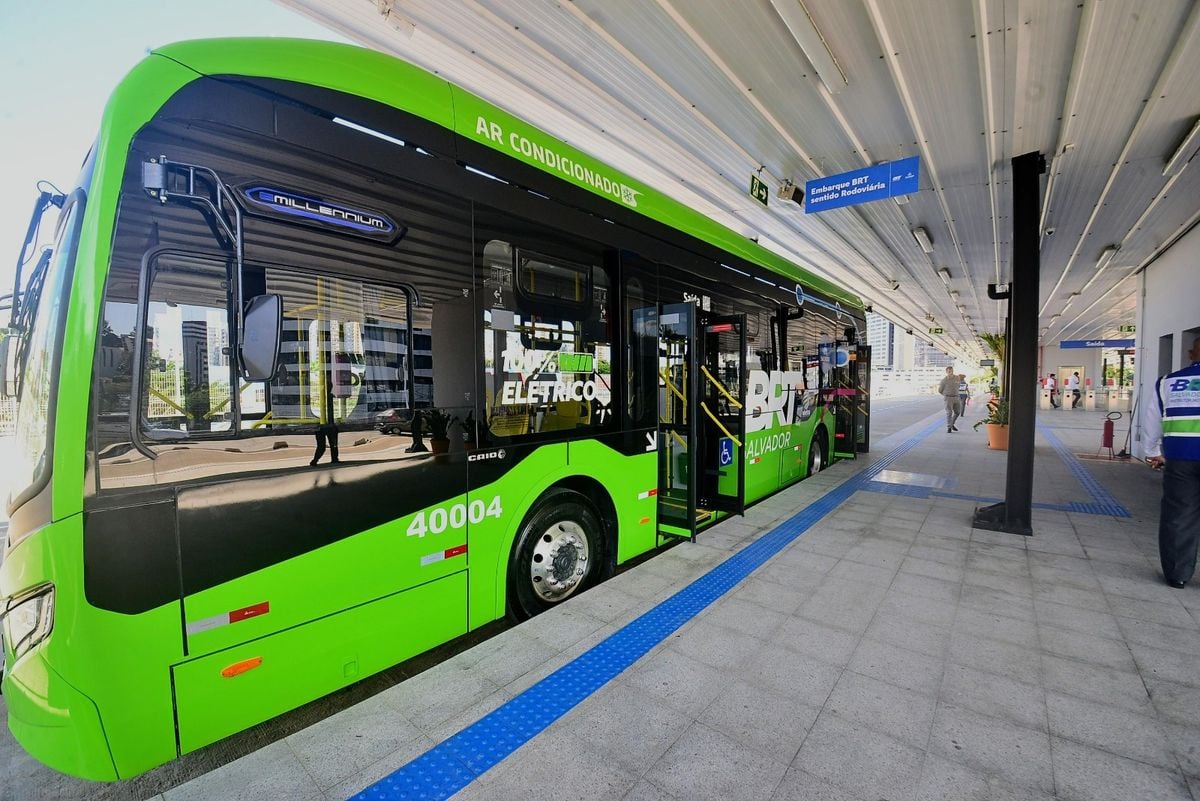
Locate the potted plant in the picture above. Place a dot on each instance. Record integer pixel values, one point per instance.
(997, 424)
(439, 429)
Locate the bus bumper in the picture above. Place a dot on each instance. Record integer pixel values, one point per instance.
(58, 725)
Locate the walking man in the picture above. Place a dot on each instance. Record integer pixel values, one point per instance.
(1073, 387)
(964, 394)
(1051, 385)
(948, 389)
(1171, 423)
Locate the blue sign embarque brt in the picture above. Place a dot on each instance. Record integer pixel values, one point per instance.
(877, 182)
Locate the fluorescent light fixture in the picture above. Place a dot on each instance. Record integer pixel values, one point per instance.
(1067, 305)
(395, 20)
(943, 274)
(735, 270)
(765, 281)
(922, 237)
(800, 23)
(1106, 256)
(954, 294)
(368, 131)
(1102, 263)
(1183, 154)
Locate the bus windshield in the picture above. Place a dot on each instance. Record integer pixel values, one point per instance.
(46, 300)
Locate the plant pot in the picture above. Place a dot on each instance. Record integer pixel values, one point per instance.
(443, 445)
(997, 436)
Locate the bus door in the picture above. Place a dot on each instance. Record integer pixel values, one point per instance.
(702, 386)
(721, 415)
(677, 429)
(845, 400)
(860, 374)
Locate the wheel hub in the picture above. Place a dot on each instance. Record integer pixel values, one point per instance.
(559, 561)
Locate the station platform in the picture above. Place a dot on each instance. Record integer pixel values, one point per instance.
(850, 639)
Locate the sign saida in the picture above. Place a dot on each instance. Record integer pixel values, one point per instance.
(1096, 343)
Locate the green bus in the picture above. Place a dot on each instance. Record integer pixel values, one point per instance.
(331, 362)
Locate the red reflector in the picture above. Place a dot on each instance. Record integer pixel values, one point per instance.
(238, 668)
(720, 328)
(249, 611)
(839, 436)
(457, 550)
(653, 492)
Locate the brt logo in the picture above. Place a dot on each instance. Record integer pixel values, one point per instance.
(1185, 385)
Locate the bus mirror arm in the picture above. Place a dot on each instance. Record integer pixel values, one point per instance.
(225, 212)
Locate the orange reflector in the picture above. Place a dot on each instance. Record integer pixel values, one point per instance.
(238, 668)
(643, 521)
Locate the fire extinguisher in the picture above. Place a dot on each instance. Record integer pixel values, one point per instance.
(1106, 437)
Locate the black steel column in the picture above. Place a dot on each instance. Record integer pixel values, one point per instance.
(1014, 515)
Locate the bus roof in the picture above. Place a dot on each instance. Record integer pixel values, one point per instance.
(391, 81)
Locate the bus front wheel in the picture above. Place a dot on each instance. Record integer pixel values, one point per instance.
(558, 553)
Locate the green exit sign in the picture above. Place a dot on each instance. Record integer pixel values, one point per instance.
(1128, 329)
(937, 330)
(758, 190)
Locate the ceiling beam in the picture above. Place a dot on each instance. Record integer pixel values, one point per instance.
(1182, 41)
(901, 83)
(983, 47)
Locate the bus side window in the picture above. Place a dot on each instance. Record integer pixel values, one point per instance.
(345, 354)
(547, 343)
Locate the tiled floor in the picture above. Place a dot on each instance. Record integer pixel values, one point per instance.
(890, 652)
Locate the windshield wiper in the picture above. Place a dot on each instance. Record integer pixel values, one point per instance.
(40, 207)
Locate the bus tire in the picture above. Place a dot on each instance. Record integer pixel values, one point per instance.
(818, 455)
(559, 552)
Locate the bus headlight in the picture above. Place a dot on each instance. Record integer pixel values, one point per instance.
(29, 618)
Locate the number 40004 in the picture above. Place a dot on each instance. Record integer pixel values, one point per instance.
(445, 518)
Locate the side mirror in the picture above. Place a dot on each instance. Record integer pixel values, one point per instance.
(261, 327)
(9, 346)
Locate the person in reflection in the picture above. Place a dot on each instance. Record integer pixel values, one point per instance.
(948, 389)
(1052, 385)
(1171, 426)
(327, 433)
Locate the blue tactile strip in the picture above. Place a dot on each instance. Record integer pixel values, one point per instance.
(452, 764)
(909, 491)
(1103, 501)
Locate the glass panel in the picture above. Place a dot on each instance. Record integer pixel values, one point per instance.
(676, 493)
(47, 296)
(545, 370)
(187, 350)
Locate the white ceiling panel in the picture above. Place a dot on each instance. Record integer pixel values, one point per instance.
(691, 96)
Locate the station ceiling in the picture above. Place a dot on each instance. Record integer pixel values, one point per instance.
(694, 96)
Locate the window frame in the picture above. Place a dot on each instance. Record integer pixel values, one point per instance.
(237, 430)
(75, 204)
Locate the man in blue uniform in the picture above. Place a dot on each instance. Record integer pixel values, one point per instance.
(1171, 422)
